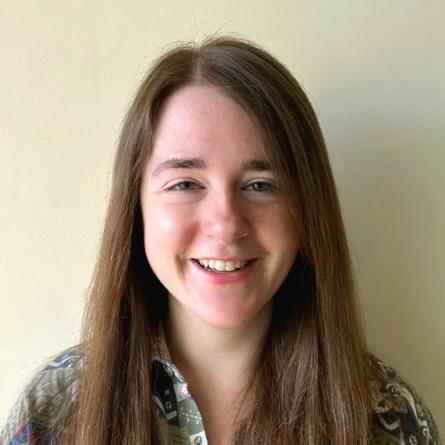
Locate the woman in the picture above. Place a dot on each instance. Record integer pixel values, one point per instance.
(222, 309)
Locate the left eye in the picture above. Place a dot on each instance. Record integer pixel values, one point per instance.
(261, 186)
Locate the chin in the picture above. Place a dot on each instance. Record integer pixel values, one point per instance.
(223, 319)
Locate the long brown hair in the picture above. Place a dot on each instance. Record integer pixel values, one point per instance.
(312, 384)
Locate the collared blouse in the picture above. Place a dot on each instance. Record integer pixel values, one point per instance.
(399, 415)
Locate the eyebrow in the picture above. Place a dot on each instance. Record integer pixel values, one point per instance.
(198, 163)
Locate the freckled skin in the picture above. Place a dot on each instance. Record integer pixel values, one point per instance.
(217, 214)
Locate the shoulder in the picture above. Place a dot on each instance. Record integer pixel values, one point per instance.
(399, 414)
(44, 401)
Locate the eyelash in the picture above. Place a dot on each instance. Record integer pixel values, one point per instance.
(272, 188)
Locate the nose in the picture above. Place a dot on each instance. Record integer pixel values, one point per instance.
(224, 218)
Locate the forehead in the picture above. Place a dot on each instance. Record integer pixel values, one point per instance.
(203, 121)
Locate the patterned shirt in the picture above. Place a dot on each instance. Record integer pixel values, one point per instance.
(399, 415)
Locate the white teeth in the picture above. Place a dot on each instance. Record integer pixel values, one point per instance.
(222, 266)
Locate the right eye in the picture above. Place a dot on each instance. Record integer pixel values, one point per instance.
(183, 186)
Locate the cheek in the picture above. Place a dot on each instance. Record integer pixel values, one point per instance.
(281, 238)
(278, 230)
(166, 229)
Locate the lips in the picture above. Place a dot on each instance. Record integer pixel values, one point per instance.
(217, 277)
(218, 265)
(221, 258)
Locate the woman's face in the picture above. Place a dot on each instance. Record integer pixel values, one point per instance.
(208, 194)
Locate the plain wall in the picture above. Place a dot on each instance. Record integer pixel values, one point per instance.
(375, 73)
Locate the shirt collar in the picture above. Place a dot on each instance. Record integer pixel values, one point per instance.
(385, 393)
(162, 355)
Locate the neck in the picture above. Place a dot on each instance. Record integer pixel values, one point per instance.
(218, 365)
(214, 355)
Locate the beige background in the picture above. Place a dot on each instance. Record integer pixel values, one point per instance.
(375, 71)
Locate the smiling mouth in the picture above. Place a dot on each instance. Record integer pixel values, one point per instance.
(217, 267)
